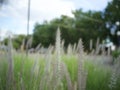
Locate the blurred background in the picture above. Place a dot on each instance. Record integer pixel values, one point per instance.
(86, 19)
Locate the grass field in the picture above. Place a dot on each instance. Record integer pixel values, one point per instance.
(58, 70)
(30, 73)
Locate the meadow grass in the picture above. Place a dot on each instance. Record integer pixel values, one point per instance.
(98, 75)
(28, 75)
(56, 71)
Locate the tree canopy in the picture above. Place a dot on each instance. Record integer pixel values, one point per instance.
(112, 17)
(17, 41)
(86, 25)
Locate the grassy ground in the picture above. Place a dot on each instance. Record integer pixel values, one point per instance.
(30, 71)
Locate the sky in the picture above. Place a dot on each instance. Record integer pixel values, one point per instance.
(13, 16)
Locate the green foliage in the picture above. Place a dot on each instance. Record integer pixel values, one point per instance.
(98, 77)
(90, 25)
(112, 12)
(3, 71)
(5, 41)
(25, 73)
(112, 16)
(42, 34)
(116, 54)
(85, 25)
(17, 41)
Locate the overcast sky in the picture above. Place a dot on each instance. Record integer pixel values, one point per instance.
(13, 16)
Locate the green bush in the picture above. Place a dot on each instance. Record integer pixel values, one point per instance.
(115, 54)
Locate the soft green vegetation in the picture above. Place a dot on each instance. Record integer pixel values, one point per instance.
(56, 69)
(85, 24)
(60, 67)
(98, 77)
(116, 53)
(28, 75)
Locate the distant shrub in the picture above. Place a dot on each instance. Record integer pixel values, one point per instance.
(115, 54)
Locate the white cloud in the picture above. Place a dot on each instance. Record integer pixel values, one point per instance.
(40, 10)
(90, 4)
(46, 10)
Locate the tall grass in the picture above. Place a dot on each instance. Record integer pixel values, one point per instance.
(30, 77)
(56, 70)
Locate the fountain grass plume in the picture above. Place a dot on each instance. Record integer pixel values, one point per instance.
(91, 45)
(29, 42)
(115, 75)
(48, 59)
(69, 50)
(82, 74)
(67, 76)
(52, 73)
(97, 46)
(74, 48)
(22, 45)
(37, 48)
(10, 72)
(62, 47)
(58, 50)
(80, 47)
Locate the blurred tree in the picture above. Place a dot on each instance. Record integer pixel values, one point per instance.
(41, 34)
(17, 41)
(85, 25)
(45, 33)
(89, 25)
(112, 16)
